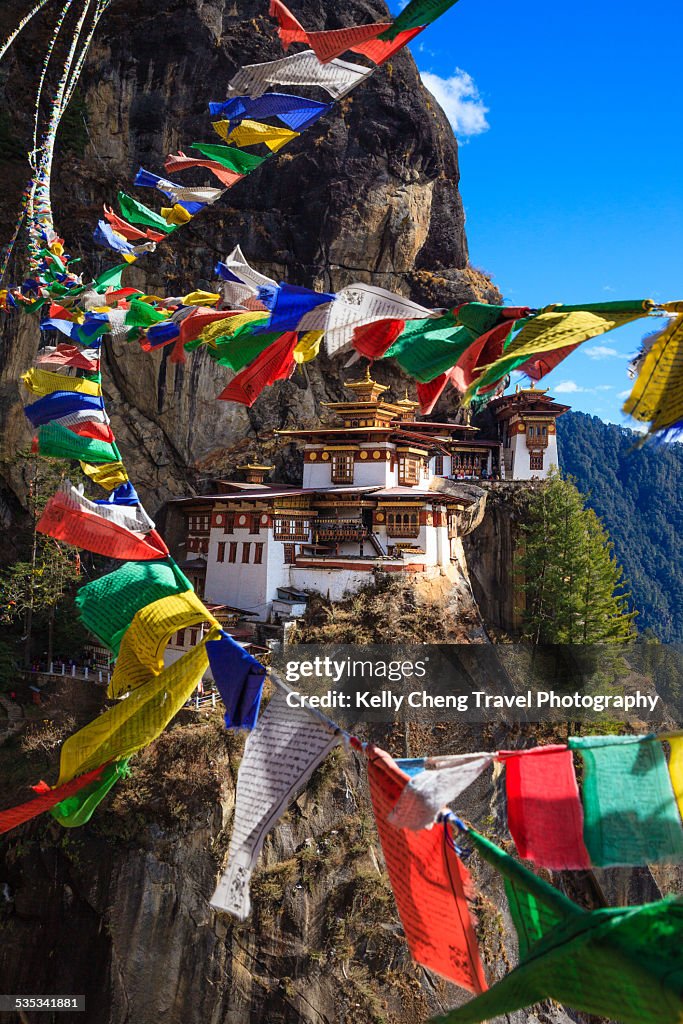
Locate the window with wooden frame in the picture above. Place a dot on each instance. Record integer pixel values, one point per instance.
(290, 529)
(536, 461)
(232, 557)
(342, 468)
(246, 553)
(258, 554)
(290, 554)
(193, 638)
(438, 465)
(403, 524)
(228, 522)
(255, 522)
(180, 638)
(220, 556)
(408, 470)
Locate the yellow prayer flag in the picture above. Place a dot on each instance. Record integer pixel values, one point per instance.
(141, 654)
(250, 133)
(200, 298)
(676, 769)
(657, 395)
(228, 327)
(308, 347)
(175, 214)
(42, 382)
(108, 475)
(136, 721)
(552, 330)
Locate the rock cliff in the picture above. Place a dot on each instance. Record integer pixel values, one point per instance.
(369, 193)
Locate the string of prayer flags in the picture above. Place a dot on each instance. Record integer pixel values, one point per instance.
(78, 809)
(560, 327)
(545, 817)
(337, 78)
(275, 363)
(48, 798)
(141, 653)
(621, 964)
(228, 156)
(430, 883)
(630, 811)
(239, 678)
(181, 162)
(280, 756)
(70, 517)
(107, 605)
(294, 112)
(440, 782)
(253, 133)
(58, 442)
(657, 395)
(133, 723)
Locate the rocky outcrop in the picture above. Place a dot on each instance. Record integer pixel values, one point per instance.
(370, 193)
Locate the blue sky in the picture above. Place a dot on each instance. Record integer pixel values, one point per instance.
(571, 158)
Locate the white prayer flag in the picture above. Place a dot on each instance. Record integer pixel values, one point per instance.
(337, 77)
(363, 304)
(280, 756)
(442, 781)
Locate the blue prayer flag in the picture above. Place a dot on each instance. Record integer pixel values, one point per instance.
(239, 678)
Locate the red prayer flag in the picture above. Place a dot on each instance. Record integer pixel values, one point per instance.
(89, 428)
(544, 362)
(180, 162)
(430, 883)
(328, 45)
(545, 816)
(275, 363)
(380, 50)
(486, 349)
(15, 816)
(429, 394)
(129, 232)
(74, 524)
(68, 355)
(60, 313)
(372, 340)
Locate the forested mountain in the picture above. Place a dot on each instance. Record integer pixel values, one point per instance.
(637, 493)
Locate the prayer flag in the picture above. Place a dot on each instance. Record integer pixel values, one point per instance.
(132, 234)
(545, 817)
(251, 133)
(234, 159)
(360, 304)
(239, 678)
(373, 339)
(290, 306)
(441, 782)
(66, 407)
(337, 78)
(417, 13)
(629, 806)
(44, 382)
(178, 193)
(295, 112)
(430, 883)
(15, 816)
(180, 162)
(427, 348)
(69, 356)
(141, 654)
(70, 517)
(58, 442)
(78, 809)
(108, 476)
(138, 213)
(279, 758)
(274, 363)
(657, 395)
(107, 605)
(135, 722)
(676, 769)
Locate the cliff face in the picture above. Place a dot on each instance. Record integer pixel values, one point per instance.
(369, 193)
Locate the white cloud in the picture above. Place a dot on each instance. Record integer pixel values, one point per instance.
(604, 352)
(567, 387)
(624, 394)
(460, 100)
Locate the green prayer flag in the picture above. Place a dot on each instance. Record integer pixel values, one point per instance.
(630, 810)
(78, 809)
(138, 213)
(415, 14)
(427, 348)
(622, 963)
(237, 160)
(480, 317)
(57, 442)
(142, 314)
(107, 605)
(240, 350)
(110, 279)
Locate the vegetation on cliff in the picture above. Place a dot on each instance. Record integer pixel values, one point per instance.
(636, 494)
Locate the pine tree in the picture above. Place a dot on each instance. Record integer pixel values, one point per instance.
(572, 582)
